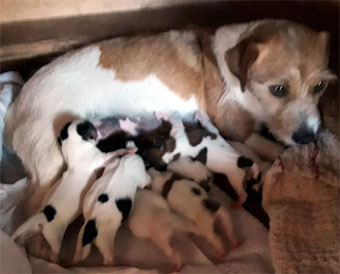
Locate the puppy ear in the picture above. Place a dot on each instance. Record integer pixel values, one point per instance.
(64, 133)
(240, 58)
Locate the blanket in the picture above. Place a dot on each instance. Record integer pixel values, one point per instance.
(301, 197)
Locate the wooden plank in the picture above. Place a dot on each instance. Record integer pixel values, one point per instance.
(28, 50)
(24, 10)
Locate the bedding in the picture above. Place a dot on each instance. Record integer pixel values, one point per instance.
(301, 196)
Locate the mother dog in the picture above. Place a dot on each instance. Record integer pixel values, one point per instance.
(268, 71)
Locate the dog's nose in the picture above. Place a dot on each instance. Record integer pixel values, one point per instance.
(303, 136)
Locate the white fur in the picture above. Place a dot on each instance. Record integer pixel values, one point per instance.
(119, 180)
(188, 168)
(221, 157)
(82, 158)
(76, 84)
(313, 122)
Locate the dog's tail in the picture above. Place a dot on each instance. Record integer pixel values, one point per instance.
(224, 222)
(28, 229)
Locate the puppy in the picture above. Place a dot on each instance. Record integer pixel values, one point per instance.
(191, 201)
(108, 203)
(204, 143)
(62, 204)
(149, 133)
(151, 218)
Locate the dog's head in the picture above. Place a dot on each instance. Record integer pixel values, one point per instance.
(153, 144)
(282, 69)
(76, 138)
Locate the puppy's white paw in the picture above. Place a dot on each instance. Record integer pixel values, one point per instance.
(255, 172)
(257, 187)
(176, 263)
(238, 203)
(108, 261)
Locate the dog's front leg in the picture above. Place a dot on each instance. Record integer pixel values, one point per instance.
(265, 148)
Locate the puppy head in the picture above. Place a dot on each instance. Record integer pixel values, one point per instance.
(282, 69)
(76, 138)
(155, 143)
(133, 165)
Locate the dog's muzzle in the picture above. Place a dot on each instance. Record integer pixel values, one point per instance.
(305, 134)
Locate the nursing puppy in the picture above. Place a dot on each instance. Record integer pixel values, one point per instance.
(149, 133)
(190, 200)
(108, 203)
(202, 142)
(243, 75)
(152, 218)
(63, 202)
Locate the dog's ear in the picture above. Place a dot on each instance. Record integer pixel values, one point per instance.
(64, 133)
(240, 58)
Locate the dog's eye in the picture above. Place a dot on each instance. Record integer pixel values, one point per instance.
(278, 90)
(319, 87)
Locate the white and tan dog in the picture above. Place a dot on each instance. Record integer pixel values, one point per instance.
(62, 203)
(108, 203)
(268, 71)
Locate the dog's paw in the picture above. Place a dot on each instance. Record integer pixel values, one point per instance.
(176, 263)
(257, 187)
(220, 255)
(237, 244)
(255, 172)
(108, 261)
(236, 204)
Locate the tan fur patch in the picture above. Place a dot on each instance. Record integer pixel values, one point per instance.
(159, 55)
(234, 122)
(231, 119)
